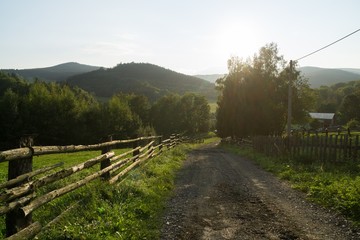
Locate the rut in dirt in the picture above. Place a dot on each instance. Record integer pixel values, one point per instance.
(220, 195)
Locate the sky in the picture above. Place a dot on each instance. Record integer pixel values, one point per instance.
(187, 36)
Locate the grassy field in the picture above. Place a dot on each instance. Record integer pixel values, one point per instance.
(213, 107)
(129, 210)
(69, 159)
(334, 186)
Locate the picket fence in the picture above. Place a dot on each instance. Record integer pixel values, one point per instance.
(323, 148)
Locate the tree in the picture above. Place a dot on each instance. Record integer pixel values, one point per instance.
(350, 107)
(188, 114)
(165, 115)
(10, 121)
(120, 120)
(194, 114)
(254, 97)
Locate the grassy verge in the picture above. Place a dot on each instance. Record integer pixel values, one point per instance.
(334, 186)
(129, 210)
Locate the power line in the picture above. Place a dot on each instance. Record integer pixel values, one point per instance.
(328, 45)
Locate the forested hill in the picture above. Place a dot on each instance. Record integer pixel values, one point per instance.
(329, 76)
(56, 73)
(141, 78)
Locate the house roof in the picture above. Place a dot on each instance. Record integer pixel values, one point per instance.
(322, 116)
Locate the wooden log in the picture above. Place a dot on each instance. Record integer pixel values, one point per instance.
(127, 169)
(147, 146)
(106, 162)
(77, 148)
(27, 233)
(16, 204)
(27, 176)
(117, 157)
(136, 152)
(61, 191)
(26, 188)
(125, 161)
(14, 154)
(14, 220)
(21, 153)
(62, 214)
(143, 157)
(160, 144)
(149, 151)
(166, 141)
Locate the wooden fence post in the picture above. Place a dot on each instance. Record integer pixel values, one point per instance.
(135, 145)
(160, 143)
(15, 221)
(105, 163)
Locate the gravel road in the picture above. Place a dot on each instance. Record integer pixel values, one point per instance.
(220, 195)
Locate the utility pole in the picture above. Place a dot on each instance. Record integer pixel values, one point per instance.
(288, 133)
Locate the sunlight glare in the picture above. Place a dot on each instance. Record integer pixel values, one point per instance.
(239, 40)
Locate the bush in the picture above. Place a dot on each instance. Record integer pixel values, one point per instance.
(353, 124)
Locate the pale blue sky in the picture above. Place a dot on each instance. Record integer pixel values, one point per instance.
(188, 36)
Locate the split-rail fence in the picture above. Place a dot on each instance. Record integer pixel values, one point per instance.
(18, 196)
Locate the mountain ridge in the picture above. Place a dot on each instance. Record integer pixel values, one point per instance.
(56, 73)
(141, 78)
(316, 76)
(328, 76)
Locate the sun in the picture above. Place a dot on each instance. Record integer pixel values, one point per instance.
(240, 40)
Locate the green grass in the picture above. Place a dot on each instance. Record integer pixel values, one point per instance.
(69, 159)
(213, 107)
(333, 186)
(129, 210)
(353, 133)
(54, 208)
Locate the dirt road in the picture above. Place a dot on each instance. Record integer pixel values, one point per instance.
(223, 196)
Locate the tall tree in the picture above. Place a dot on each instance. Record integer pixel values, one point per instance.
(253, 97)
(350, 107)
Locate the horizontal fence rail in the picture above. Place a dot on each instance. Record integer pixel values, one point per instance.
(326, 148)
(25, 152)
(19, 196)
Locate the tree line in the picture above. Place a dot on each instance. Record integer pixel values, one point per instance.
(342, 99)
(59, 114)
(254, 97)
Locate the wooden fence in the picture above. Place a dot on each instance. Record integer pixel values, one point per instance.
(332, 148)
(19, 194)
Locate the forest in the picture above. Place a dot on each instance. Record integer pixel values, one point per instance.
(59, 114)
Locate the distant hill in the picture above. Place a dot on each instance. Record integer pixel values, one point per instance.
(56, 73)
(210, 77)
(353, 70)
(141, 78)
(328, 76)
